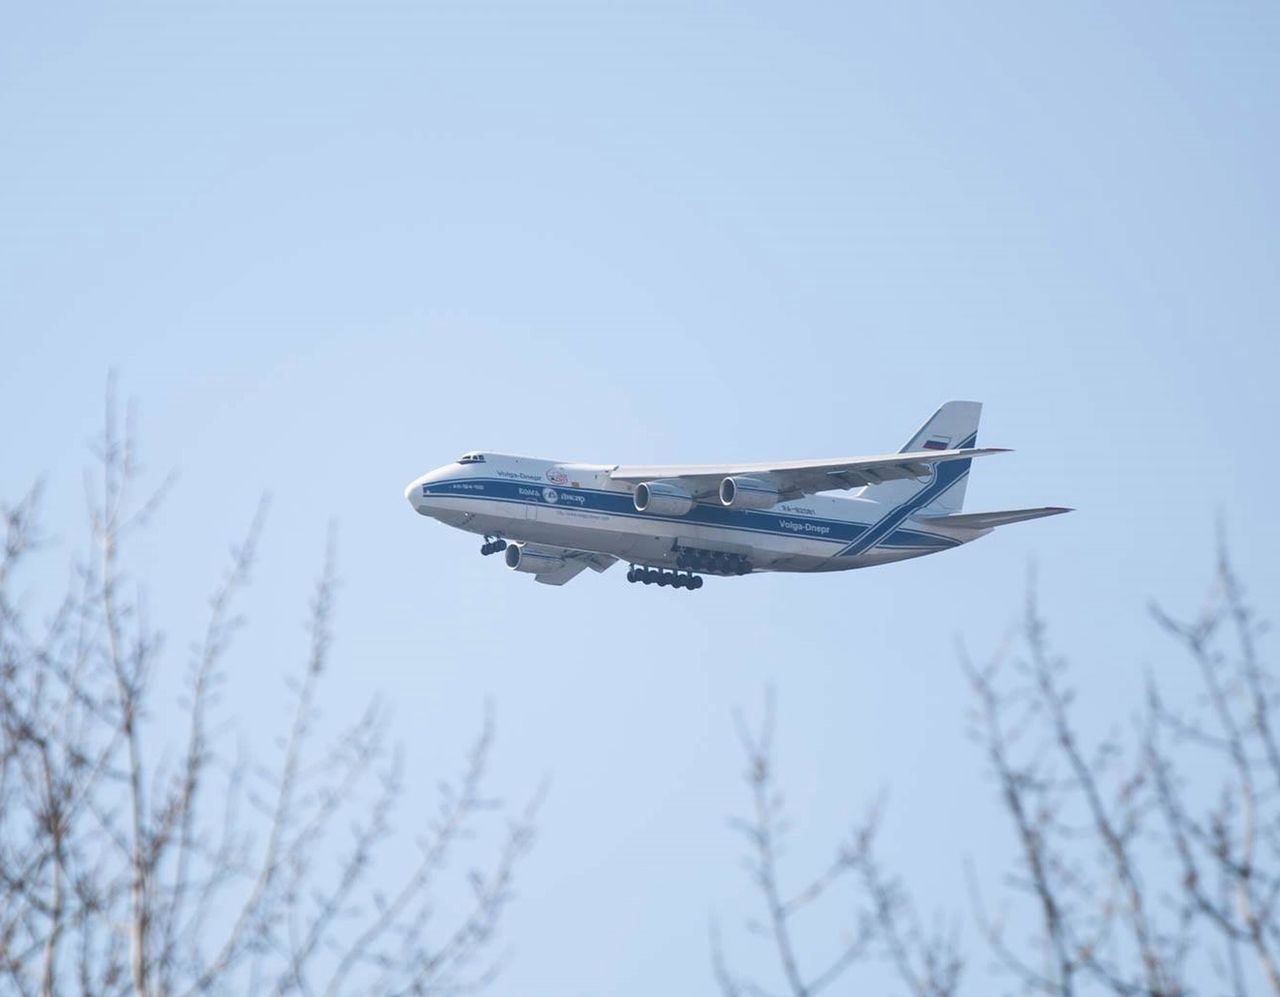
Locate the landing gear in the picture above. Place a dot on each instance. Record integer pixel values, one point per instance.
(661, 578)
(712, 562)
(495, 546)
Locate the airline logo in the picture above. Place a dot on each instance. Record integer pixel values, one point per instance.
(557, 477)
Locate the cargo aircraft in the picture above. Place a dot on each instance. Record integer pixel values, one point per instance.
(676, 524)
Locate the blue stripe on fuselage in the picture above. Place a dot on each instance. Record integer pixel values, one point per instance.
(618, 503)
(945, 475)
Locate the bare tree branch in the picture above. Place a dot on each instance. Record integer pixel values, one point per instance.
(113, 878)
(928, 963)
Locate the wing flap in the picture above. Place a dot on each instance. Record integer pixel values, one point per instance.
(575, 562)
(560, 575)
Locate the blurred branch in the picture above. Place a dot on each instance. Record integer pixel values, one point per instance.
(1228, 850)
(1097, 914)
(928, 963)
(1142, 860)
(113, 879)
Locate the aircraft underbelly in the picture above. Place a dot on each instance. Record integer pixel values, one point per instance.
(641, 540)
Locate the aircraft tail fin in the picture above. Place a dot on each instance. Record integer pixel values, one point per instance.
(953, 427)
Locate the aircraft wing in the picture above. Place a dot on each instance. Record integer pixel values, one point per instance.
(801, 477)
(575, 562)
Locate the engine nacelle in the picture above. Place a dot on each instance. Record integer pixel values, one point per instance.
(662, 498)
(520, 558)
(738, 492)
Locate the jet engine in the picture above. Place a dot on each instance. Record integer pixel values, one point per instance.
(522, 558)
(662, 498)
(748, 493)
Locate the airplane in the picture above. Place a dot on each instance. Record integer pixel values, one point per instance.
(676, 524)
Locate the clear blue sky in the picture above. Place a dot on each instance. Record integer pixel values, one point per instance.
(331, 246)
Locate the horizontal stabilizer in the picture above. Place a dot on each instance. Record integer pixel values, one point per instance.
(990, 520)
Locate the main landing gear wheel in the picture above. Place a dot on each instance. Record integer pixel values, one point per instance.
(661, 578)
(493, 547)
(712, 562)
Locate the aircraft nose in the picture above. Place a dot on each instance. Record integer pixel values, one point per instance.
(413, 493)
(416, 491)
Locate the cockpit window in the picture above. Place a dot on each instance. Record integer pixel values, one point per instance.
(471, 458)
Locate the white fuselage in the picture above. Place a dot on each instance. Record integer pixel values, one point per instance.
(578, 506)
